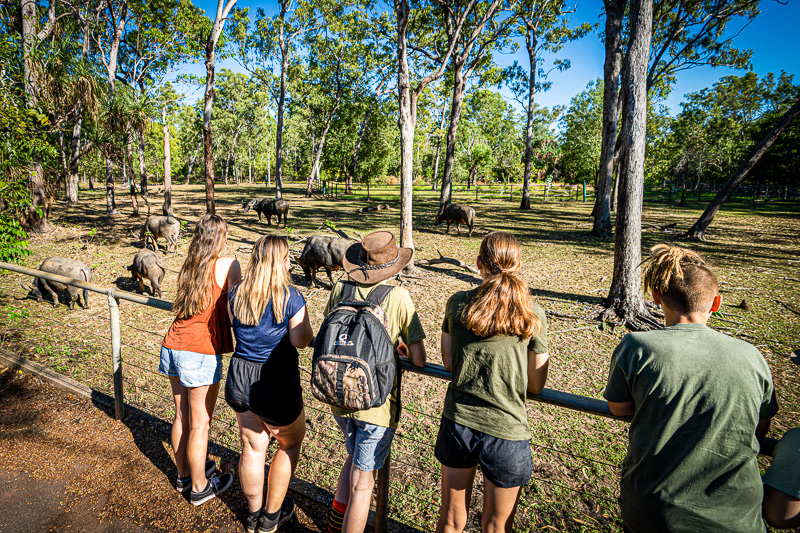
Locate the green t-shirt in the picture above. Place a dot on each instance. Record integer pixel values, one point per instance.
(404, 324)
(490, 375)
(698, 396)
(784, 472)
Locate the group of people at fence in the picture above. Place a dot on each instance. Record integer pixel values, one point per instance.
(700, 401)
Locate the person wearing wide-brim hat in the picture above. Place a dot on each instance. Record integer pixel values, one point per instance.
(781, 507)
(369, 433)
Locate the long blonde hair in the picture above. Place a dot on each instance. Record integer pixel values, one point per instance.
(196, 277)
(682, 278)
(503, 304)
(264, 280)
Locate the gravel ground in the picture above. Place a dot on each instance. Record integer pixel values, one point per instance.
(66, 465)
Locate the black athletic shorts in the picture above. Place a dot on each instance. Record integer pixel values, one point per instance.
(506, 463)
(270, 390)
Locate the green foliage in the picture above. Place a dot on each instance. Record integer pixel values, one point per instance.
(582, 134)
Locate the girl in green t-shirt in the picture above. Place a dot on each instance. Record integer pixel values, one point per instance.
(494, 342)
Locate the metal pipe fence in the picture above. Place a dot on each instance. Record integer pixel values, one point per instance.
(411, 453)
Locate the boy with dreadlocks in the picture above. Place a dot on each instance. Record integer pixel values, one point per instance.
(700, 401)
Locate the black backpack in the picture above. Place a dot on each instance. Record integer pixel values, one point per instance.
(355, 362)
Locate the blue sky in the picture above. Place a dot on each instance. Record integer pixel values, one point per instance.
(772, 36)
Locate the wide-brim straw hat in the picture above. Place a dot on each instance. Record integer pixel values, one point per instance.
(375, 258)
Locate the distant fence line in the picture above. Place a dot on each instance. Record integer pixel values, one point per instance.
(556, 398)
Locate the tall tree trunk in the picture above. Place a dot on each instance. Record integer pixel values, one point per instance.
(284, 46)
(131, 180)
(37, 212)
(698, 229)
(208, 99)
(193, 160)
(459, 88)
(167, 207)
(407, 118)
(615, 10)
(74, 149)
(208, 139)
(142, 166)
(111, 68)
(530, 44)
(435, 180)
(249, 160)
(625, 296)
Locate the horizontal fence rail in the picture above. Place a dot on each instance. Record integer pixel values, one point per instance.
(566, 400)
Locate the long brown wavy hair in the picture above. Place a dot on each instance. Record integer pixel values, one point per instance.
(196, 277)
(264, 280)
(503, 303)
(684, 280)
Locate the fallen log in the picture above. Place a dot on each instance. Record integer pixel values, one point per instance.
(448, 260)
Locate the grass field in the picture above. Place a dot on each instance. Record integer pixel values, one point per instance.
(576, 456)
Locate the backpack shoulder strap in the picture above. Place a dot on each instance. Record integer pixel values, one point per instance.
(379, 294)
(348, 291)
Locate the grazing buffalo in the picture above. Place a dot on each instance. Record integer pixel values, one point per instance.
(322, 251)
(269, 208)
(158, 226)
(151, 265)
(456, 214)
(70, 268)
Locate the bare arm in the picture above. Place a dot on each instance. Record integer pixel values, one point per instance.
(417, 354)
(300, 333)
(537, 371)
(780, 510)
(447, 357)
(762, 428)
(621, 408)
(234, 274)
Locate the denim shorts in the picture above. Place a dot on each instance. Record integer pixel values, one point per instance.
(367, 443)
(506, 463)
(192, 368)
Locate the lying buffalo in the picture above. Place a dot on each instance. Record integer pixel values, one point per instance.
(322, 251)
(70, 268)
(456, 214)
(158, 226)
(269, 208)
(151, 265)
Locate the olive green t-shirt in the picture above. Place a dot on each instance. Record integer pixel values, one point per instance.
(784, 471)
(404, 324)
(692, 451)
(490, 374)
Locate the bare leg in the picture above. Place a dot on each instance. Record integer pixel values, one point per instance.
(290, 439)
(201, 406)
(255, 441)
(499, 505)
(180, 425)
(361, 485)
(456, 497)
(342, 493)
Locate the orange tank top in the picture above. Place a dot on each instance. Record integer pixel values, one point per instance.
(208, 332)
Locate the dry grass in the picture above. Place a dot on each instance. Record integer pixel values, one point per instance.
(576, 455)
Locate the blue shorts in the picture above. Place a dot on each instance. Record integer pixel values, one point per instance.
(506, 463)
(367, 443)
(192, 368)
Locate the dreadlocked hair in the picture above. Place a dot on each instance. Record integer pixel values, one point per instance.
(684, 280)
(503, 303)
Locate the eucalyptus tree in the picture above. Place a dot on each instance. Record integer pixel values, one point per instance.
(420, 43)
(686, 34)
(271, 42)
(546, 28)
(162, 35)
(472, 49)
(223, 8)
(625, 297)
(168, 101)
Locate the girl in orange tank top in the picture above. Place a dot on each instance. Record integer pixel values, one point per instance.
(191, 355)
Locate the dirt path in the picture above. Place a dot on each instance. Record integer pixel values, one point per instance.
(66, 465)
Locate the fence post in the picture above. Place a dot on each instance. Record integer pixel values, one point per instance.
(116, 355)
(476, 192)
(382, 498)
(584, 191)
(511, 195)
